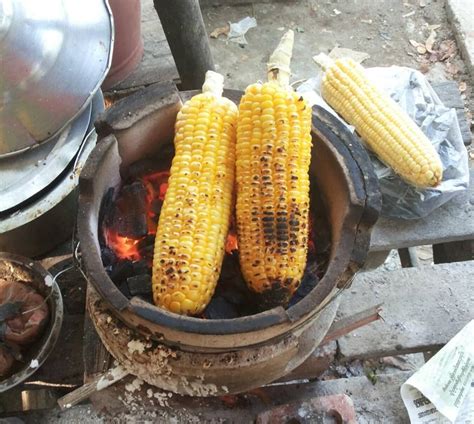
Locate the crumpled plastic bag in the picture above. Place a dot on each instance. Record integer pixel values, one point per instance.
(239, 29)
(412, 91)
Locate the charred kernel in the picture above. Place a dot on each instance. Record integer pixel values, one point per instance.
(199, 178)
(281, 131)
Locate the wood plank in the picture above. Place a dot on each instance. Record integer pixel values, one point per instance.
(64, 365)
(453, 221)
(423, 308)
(96, 357)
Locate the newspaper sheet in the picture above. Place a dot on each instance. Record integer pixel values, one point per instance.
(442, 391)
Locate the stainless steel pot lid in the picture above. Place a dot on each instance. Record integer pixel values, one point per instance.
(25, 175)
(55, 55)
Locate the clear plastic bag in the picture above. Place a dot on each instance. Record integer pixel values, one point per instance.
(411, 90)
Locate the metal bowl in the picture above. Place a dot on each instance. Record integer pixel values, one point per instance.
(55, 55)
(44, 283)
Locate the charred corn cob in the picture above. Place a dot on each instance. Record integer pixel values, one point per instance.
(272, 163)
(382, 124)
(194, 219)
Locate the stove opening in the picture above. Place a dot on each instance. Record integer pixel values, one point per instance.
(129, 218)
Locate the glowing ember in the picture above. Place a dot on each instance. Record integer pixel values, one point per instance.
(156, 184)
(124, 247)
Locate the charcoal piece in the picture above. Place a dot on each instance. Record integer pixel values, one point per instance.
(147, 241)
(308, 283)
(121, 271)
(220, 308)
(140, 267)
(149, 166)
(147, 298)
(129, 216)
(147, 252)
(106, 207)
(232, 288)
(139, 285)
(108, 256)
(123, 287)
(146, 247)
(155, 207)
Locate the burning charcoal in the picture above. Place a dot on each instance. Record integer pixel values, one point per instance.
(106, 206)
(121, 271)
(129, 217)
(147, 241)
(148, 166)
(139, 285)
(155, 207)
(146, 247)
(147, 252)
(140, 267)
(231, 283)
(108, 256)
(220, 308)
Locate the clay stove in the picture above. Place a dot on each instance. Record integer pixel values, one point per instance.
(203, 357)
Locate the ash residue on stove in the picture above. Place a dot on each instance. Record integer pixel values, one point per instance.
(129, 217)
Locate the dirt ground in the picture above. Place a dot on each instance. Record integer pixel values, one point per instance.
(383, 29)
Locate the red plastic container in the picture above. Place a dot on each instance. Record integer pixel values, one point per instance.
(128, 45)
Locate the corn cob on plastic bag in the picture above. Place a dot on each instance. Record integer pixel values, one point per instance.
(410, 89)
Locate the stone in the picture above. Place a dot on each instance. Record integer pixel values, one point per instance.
(322, 409)
(460, 14)
(423, 308)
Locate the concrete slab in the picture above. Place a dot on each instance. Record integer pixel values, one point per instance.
(423, 308)
(461, 15)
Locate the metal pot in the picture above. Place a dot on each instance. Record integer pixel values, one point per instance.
(227, 355)
(49, 218)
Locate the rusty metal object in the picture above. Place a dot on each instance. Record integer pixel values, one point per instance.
(279, 339)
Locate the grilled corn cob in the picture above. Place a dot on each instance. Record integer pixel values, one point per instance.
(272, 164)
(382, 124)
(194, 219)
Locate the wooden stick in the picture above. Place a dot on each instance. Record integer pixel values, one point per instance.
(351, 323)
(100, 382)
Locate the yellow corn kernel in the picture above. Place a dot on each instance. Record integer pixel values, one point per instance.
(273, 155)
(194, 219)
(382, 124)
